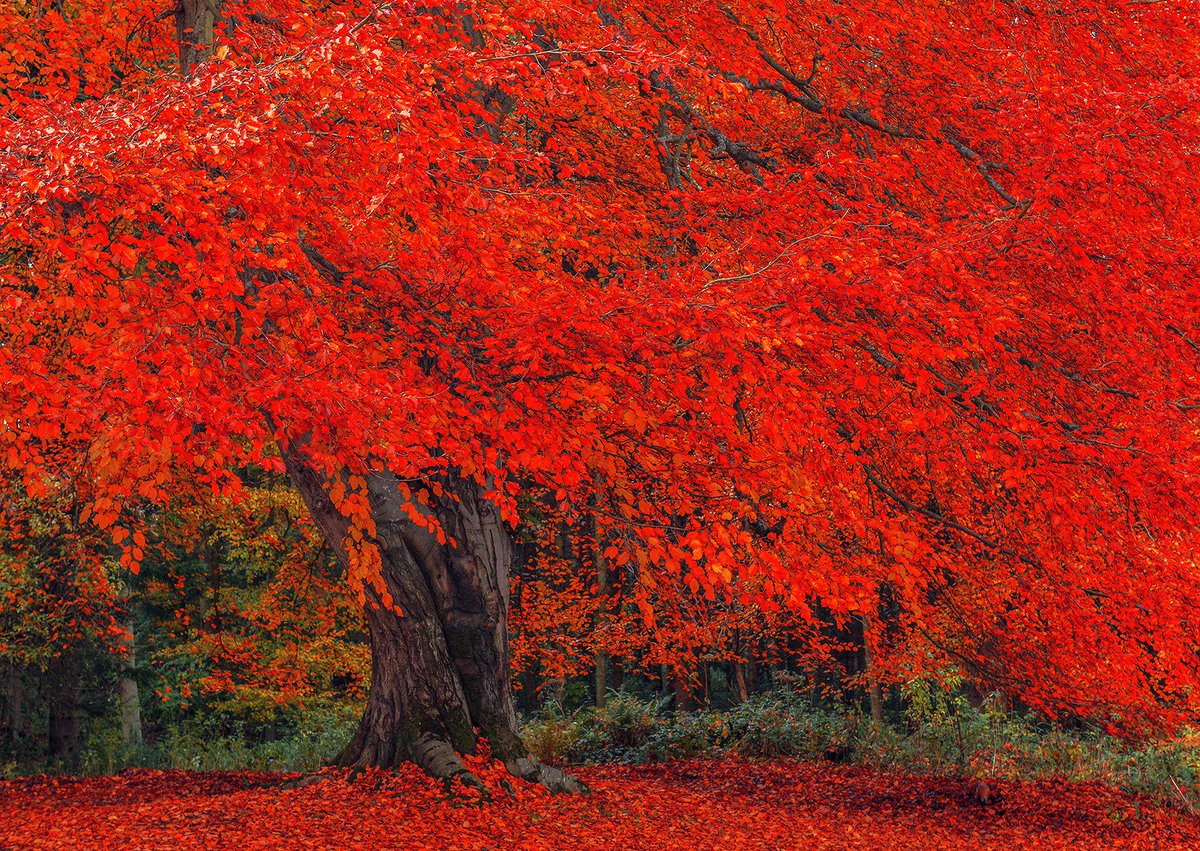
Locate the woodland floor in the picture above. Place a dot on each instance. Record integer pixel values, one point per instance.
(696, 804)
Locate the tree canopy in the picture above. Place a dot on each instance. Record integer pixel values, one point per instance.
(880, 310)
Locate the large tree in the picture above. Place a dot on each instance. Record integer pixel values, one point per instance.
(883, 304)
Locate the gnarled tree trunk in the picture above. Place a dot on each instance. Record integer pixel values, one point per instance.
(440, 671)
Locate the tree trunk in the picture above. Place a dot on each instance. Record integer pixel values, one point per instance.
(741, 692)
(873, 687)
(601, 563)
(739, 682)
(440, 672)
(62, 679)
(127, 691)
(195, 23)
(14, 719)
(684, 697)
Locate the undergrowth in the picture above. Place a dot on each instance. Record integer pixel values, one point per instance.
(938, 734)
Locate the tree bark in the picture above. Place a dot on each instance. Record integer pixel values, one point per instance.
(873, 688)
(739, 677)
(14, 719)
(62, 737)
(440, 662)
(440, 672)
(601, 563)
(195, 24)
(685, 699)
(127, 691)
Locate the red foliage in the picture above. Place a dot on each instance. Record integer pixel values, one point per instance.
(719, 805)
(851, 303)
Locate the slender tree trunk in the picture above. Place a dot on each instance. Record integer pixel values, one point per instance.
(739, 682)
(62, 680)
(14, 720)
(739, 675)
(601, 563)
(873, 688)
(684, 698)
(127, 690)
(440, 672)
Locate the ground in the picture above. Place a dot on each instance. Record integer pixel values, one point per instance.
(726, 804)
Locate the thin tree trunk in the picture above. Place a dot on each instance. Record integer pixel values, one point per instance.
(739, 675)
(601, 562)
(62, 737)
(873, 687)
(684, 698)
(440, 672)
(739, 682)
(14, 720)
(127, 690)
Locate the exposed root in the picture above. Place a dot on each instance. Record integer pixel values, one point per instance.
(439, 760)
(558, 782)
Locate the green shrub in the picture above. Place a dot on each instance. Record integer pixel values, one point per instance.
(782, 724)
(943, 733)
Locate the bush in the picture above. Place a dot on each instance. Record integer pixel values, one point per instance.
(632, 730)
(310, 739)
(942, 733)
(620, 731)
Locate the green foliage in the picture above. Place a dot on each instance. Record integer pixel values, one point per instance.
(782, 724)
(942, 732)
(619, 731)
(629, 729)
(305, 743)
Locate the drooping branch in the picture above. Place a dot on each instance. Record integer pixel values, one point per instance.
(938, 517)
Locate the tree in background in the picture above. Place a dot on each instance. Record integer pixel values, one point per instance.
(835, 305)
(61, 622)
(249, 623)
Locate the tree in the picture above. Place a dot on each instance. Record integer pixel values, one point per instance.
(833, 301)
(57, 586)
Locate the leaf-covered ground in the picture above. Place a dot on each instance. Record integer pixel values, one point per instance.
(699, 804)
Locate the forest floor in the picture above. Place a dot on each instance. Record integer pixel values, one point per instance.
(699, 804)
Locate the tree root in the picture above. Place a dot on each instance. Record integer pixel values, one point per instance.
(440, 760)
(558, 782)
(437, 758)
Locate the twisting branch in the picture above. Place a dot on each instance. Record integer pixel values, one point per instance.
(943, 519)
(746, 158)
(983, 167)
(867, 120)
(807, 98)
